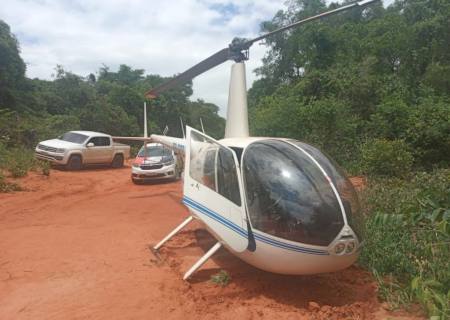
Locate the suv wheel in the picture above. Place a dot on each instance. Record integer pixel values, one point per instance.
(135, 181)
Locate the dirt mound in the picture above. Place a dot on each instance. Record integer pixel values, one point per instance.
(76, 246)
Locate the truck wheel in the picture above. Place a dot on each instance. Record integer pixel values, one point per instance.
(74, 163)
(117, 161)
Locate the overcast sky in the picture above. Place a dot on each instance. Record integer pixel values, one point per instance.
(161, 37)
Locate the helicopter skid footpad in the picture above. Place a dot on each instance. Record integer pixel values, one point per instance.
(155, 252)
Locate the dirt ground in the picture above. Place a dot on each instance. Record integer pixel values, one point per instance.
(75, 245)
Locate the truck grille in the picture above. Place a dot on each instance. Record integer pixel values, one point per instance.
(43, 156)
(45, 148)
(151, 166)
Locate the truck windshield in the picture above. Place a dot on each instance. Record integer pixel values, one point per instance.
(154, 151)
(73, 137)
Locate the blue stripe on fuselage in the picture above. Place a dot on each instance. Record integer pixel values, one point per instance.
(244, 233)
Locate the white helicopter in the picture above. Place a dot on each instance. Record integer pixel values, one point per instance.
(279, 204)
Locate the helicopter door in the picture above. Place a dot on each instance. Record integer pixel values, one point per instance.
(213, 189)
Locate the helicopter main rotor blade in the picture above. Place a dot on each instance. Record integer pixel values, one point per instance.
(235, 49)
(363, 3)
(207, 64)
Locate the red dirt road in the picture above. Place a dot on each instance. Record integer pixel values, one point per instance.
(76, 246)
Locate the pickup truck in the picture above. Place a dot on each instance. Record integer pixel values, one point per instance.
(74, 149)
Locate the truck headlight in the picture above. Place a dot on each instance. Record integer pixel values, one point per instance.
(135, 164)
(60, 150)
(168, 163)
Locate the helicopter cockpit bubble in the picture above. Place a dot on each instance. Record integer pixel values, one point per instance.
(344, 186)
(288, 195)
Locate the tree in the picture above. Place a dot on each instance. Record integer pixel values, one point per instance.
(12, 68)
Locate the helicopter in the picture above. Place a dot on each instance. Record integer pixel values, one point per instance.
(279, 204)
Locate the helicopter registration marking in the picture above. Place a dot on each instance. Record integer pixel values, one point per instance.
(197, 206)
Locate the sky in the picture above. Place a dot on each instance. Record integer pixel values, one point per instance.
(161, 37)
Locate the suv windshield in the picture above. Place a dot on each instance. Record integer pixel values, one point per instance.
(73, 137)
(154, 151)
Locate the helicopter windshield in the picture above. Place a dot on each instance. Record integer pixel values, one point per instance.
(343, 185)
(288, 195)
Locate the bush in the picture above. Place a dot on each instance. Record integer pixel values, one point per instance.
(45, 167)
(6, 186)
(386, 158)
(329, 124)
(390, 119)
(18, 161)
(428, 132)
(407, 239)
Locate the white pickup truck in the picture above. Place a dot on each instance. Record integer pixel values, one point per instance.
(74, 149)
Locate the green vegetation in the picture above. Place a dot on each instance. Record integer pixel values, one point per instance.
(222, 278)
(372, 88)
(17, 162)
(386, 157)
(45, 167)
(407, 240)
(6, 186)
(365, 76)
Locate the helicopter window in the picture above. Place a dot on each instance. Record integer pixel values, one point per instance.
(227, 181)
(238, 152)
(343, 185)
(287, 194)
(213, 166)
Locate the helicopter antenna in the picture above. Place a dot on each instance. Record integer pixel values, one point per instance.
(238, 50)
(145, 120)
(201, 123)
(182, 128)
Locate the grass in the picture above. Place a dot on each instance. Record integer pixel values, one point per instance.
(221, 278)
(6, 186)
(407, 237)
(18, 162)
(45, 167)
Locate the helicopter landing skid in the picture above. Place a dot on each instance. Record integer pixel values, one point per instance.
(172, 233)
(155, 253)
(202, 260)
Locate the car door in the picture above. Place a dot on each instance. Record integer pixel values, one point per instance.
(100, 152)
(105, 150)
(213, 189)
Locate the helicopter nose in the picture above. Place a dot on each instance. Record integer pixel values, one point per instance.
(287, 195)
(344, 246)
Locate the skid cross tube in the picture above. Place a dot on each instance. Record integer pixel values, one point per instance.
(174, 231)
(202, 260)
